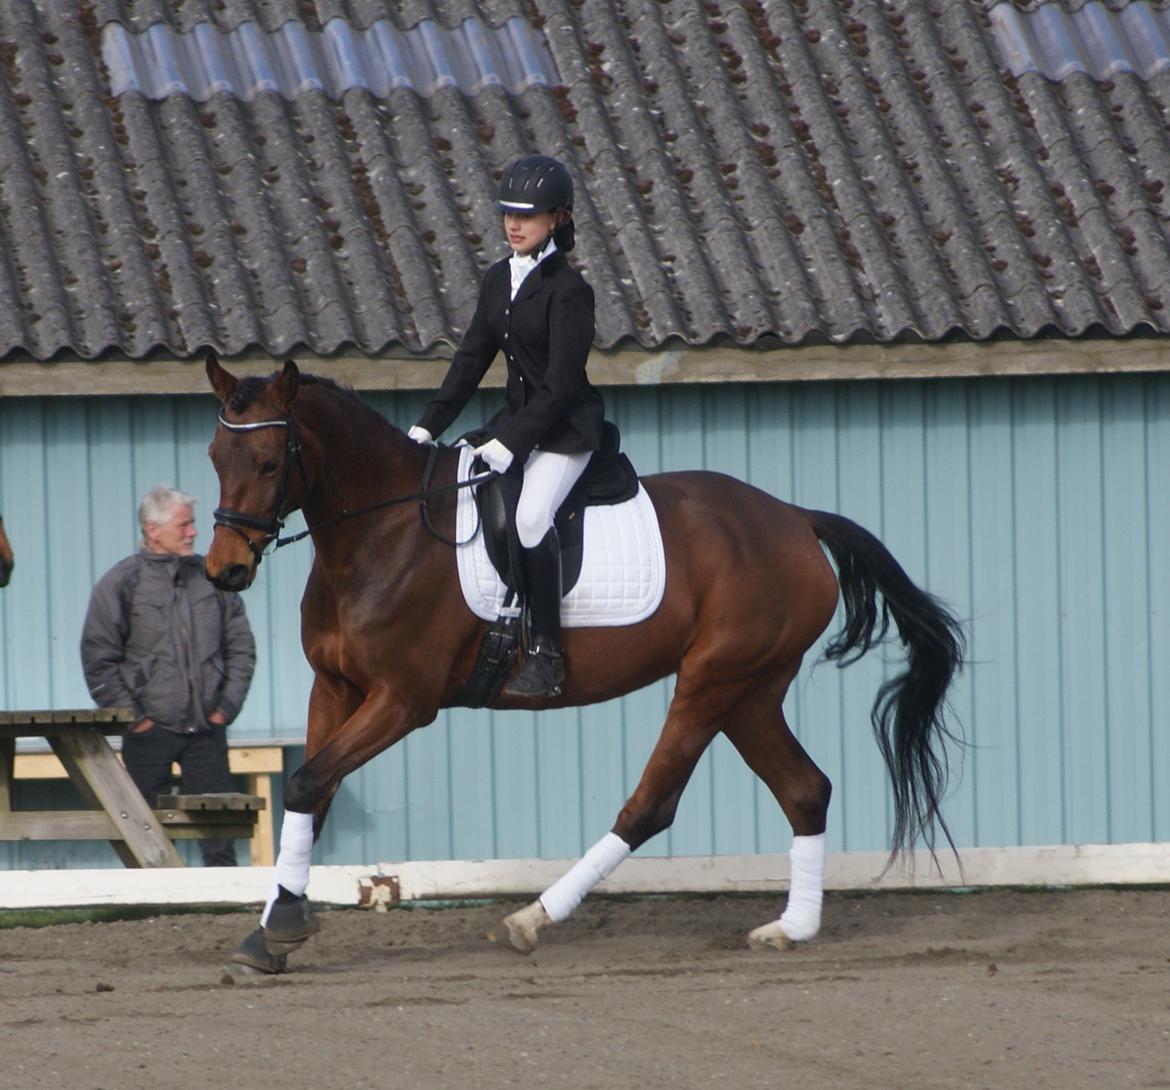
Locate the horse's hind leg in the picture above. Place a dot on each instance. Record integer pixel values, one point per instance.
(690, 726)
(771, 751)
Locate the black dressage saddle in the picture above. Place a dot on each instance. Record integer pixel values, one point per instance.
(609, 478)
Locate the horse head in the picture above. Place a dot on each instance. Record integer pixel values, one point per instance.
(257, 455)
(6, 560)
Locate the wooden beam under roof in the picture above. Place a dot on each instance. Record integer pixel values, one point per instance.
(684, 365)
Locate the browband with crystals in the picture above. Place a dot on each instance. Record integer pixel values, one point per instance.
(253, 426)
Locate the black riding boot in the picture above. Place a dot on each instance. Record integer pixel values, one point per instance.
(544, 664)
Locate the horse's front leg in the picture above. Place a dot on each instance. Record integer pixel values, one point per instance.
(345, 731)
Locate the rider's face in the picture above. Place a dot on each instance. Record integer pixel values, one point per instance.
(527, 231)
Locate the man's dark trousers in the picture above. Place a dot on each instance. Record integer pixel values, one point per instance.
(203, 761)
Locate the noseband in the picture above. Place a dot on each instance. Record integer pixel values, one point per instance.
(271, 526)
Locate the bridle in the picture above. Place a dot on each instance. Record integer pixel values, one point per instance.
(274, 523)
(271, 526)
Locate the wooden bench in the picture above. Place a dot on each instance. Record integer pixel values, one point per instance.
(227, 814)
(256, 763)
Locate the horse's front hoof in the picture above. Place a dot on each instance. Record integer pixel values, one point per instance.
(289, 924)
(254, 956)
(770, 936)
(518, 931)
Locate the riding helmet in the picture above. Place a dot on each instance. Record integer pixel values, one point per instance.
(536, 183)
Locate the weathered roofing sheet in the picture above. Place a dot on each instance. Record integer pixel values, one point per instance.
(749, 172)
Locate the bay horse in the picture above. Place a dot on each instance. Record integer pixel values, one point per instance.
(390, 640)
(7, 561)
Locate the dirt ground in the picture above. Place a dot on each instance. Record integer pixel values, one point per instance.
(998, 989)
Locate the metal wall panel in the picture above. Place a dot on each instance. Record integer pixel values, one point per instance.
(1036, 507)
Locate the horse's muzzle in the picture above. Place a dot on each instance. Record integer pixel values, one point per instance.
(235, 577)
(5, 572)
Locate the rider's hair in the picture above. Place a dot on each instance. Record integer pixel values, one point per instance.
(159, 504)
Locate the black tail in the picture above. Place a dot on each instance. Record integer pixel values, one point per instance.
(907, 715)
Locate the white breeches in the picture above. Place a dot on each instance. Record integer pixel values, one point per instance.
(548, 479)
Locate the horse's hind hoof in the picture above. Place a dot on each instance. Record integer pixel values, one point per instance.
(770, 936)
(289, 924)
(254, 956)
(511, 937)
(518, 931)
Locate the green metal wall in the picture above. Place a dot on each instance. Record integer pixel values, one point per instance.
(1036, 506)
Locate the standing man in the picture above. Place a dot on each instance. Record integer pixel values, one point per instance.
(161, 640)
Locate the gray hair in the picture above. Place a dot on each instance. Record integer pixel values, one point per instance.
(159, 504)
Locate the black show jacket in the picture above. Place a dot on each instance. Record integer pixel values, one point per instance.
(545, 334)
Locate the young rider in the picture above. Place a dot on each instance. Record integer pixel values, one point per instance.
(537, 310)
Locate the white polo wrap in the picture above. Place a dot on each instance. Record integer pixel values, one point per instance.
(599, 862)
(806, 891)
(292, 864)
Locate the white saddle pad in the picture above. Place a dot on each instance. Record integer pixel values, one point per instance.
(623, 573)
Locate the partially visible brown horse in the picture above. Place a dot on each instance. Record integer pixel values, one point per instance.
(385, 628)
(7, 561)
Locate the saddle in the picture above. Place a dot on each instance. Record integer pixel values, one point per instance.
(609, 478)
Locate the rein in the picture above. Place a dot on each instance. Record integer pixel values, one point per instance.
(272, 525)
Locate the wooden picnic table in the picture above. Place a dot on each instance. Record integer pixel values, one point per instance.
(141, 835)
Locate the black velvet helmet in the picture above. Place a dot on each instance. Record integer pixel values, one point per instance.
(536, 183)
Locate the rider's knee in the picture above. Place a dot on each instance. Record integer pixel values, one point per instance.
(532, 525)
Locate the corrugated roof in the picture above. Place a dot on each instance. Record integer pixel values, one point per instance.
(1092, 39)
(292, 60)
(748, 172)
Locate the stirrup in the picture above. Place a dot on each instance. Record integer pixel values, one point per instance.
(542, 673)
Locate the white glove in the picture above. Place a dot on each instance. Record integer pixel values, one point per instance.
(497, 456)
(420, 435)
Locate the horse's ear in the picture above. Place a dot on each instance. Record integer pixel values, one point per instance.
(286, 386)
(222, 383)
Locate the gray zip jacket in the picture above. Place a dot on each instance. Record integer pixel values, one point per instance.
(161, 640)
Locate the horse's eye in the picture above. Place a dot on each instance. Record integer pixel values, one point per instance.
(267, 468)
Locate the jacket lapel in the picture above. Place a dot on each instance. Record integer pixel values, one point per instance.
(534, 280)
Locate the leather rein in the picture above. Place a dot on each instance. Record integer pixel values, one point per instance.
(294, 453)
